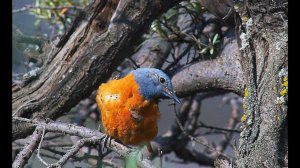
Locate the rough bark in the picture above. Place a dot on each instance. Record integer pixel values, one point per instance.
(263, 37)
(223, 73)
(29, 147)
(153, 52)
(83, 58)
(219, 8)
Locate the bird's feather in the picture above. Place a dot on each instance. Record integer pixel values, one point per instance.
(117, 100)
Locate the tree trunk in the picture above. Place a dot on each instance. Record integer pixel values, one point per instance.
(264, 57)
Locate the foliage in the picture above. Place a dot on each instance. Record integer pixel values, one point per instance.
(169, 25)
(59, 14)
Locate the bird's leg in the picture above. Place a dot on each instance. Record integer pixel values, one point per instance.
(101, 150)
(106, 138)
(149, 147)
(160, 152)
(100, 156)
(150, 150)
(152, 153)
(107, 141)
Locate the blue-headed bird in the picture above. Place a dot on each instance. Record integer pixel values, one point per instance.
(129, 106)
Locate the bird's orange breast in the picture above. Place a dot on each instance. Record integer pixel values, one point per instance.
(125, 114)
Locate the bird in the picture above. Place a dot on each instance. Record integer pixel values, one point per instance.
(129, 105)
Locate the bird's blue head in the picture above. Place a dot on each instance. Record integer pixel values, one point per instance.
(154, 83)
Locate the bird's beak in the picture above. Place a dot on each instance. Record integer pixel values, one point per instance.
(172, 95)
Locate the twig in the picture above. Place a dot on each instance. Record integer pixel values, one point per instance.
(183, 36)
(72, 152)
(196, 139)
(177, 59)
(25, 154)
(39, 147)
(75, 158)
(217, 128)
(100, 152)
(212, 132)
(100, 157)
(96, 136)
(231, 124)
(133, 63)
(46, 144)
(176, 141)
(53, 136)
(193, 14)
(49, 156)
(228, 14)
(56, 152)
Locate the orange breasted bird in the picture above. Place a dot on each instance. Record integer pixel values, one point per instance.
(129, 106)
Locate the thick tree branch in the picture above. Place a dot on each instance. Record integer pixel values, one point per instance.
(222, 73)
(153, 52)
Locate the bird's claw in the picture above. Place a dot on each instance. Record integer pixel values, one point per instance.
(107, 139)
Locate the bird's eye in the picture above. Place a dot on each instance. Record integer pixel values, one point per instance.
(162, 80)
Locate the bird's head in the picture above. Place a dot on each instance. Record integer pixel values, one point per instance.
(154, 83)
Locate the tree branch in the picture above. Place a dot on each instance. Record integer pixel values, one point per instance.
(222, 73)
(75, 148)
(153, 52)
(29, 147)
(92, 137)
(217, 128)
(232, 122)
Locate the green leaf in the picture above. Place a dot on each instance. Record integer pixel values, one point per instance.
(189, 6)
(218, 41)
(48, 14)
(171, 13)
(203, 51)
(197, 7)
(156, 27)
(37, 3)
(215, 38)
(37, 23)
(211, 51)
